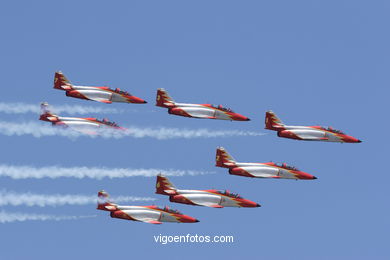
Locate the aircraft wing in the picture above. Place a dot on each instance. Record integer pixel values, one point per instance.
(264, 175)
(81, 127)
(153, 222)
(147, 220)
(200, 115)
(83, 130)
(103, 100)
(315, 139)
(312, 135)
(208, 204)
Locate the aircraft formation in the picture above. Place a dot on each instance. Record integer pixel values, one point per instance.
(210, 197)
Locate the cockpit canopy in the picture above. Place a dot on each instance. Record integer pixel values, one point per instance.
(107, 122)
(122, 92)
(168, 209)
(230, 194)
(286, 166)
(223, 108)
(331, 129)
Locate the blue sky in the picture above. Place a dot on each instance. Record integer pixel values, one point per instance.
(312, 62)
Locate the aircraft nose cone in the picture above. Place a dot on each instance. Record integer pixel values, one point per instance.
(239, 117)
(187, 219)
(314, 177)
(248, 204)
(133, 99)
(350, 139)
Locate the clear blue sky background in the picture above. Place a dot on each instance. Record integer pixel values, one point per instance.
(312, 62)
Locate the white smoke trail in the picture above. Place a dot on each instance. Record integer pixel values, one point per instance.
(6, 217)
(22, 108)
(34, 129)
(42, 200)
(53, 172)
(161, 133)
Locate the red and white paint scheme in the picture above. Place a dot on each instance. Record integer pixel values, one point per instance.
(207, 198)
(85, 125)
(100, 94)
(259, 170)
(148, 214)
(196, 110)
(308, 133)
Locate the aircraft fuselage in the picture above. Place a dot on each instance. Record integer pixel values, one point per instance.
(204, 111)
(210, 198)
(268, 170)
(315, 133)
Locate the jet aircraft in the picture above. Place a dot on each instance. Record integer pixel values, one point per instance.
(308, 133)
(85, 125)
(208, 198)
(100, 94)
(196, 110)
(259, 170)
(148, 214)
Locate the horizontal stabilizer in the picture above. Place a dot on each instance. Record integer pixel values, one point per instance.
(110, 207)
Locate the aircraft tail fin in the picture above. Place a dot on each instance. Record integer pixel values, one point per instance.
(163, 99)
(104, 202)
(46, 114)
(164, 186)
(272, 121)
(224, 159)
(61, 82)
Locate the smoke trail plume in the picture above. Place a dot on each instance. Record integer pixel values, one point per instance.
(22, 108)
(53, 172)
(6, 217)
(161, 133)
(43, 200)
